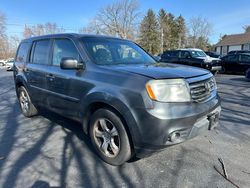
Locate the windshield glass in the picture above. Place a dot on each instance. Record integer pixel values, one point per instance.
(107, 51)
(195, 53)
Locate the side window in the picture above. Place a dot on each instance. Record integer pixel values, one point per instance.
(175, 54)
(63, 48)
(22, 53)
(231, 58)
(166, 54)
(245, 58)
(40, 52)
(184, 54)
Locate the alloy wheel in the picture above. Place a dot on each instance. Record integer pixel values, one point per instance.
(106, 137)
(24, 101)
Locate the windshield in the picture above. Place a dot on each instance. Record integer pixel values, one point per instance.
(195, 53)
(107, 51)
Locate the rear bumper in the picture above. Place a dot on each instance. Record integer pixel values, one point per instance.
(172, 124)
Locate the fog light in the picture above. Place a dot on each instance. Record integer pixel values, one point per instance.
(174, 136)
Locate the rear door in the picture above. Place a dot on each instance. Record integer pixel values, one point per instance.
(64, 85)
(244, 62)
(185, 57)
(36, 69)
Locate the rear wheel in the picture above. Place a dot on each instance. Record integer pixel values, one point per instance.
(109, 137)
(28, 109)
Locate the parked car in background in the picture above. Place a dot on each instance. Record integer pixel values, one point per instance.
(213, 54)
(238, 52)
(236, 63)
(192, 57)
(126, 101)
(248, 74)
(9, 64)
(2, 62)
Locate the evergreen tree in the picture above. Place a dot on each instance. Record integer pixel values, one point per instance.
(181, 32)
(164, 29)
(149, 33)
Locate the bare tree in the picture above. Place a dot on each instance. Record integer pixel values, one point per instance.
(41, 29)
(199, 31)
(3, 37)
(93, 27)
(119, 19)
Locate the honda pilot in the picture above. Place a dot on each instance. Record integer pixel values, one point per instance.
(129, 104)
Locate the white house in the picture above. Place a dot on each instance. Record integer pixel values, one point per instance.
(233, 42)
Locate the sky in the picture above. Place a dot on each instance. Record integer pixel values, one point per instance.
(226, 16)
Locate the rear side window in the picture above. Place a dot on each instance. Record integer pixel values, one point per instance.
(41, 52)
(170, 54)
(64, 48)
(185, 54)
(22, 52)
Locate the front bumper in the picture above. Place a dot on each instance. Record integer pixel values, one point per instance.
(173, 123)
(216, 68)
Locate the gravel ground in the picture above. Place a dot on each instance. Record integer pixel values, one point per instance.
(51, 151)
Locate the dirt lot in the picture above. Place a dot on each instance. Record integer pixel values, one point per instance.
(51, 151)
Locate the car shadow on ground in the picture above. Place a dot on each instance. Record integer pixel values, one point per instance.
(74, 140)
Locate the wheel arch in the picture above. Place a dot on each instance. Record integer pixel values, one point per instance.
(115, 105)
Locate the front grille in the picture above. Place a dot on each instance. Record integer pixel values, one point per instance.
(202, 90)
(216, 63)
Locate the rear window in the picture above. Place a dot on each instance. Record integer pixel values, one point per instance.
(40, 52)
(22, 52)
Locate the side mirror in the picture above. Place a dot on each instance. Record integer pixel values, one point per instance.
(71, 63)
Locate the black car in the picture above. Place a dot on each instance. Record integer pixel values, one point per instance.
(213, 54)
(234, 52)
(127, 103)
(236, 63)
(192, 57)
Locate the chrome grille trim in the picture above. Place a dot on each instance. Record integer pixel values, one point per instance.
(202, 89)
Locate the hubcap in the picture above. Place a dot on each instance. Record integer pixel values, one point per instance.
(24, 101)
(106, 137)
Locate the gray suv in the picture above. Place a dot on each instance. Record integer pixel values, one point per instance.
(126, 102)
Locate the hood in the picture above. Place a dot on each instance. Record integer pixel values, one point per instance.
(161, 70)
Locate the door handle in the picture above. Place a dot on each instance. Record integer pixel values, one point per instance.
(50, 76)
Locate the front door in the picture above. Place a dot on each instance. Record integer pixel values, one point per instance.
(63, 85)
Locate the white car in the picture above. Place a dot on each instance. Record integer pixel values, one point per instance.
(9, 65)
(2, 62)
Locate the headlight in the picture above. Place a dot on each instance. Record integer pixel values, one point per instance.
(171, 90)
(207, 61)
(213, 84)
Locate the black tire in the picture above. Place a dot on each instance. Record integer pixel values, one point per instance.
(111, 119)
(28, 109)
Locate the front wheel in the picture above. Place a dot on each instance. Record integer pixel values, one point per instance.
(27, 107)
(109, 137)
